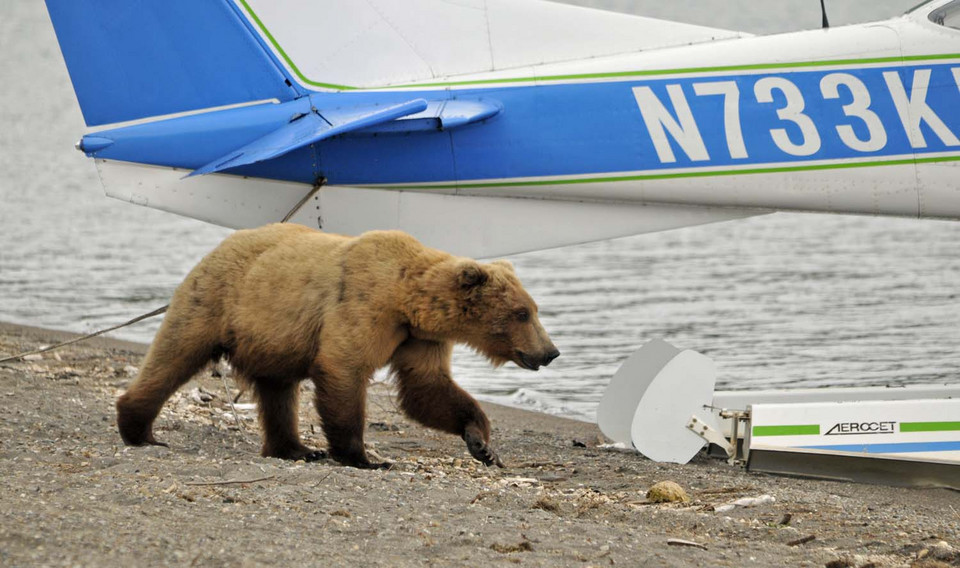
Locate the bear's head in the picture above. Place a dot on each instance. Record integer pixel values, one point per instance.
(486, 307)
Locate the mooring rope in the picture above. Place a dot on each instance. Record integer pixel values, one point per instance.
(156, 312)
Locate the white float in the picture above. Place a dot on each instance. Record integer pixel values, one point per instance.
(661, 401)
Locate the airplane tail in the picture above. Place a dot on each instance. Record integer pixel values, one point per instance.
(146, 59)
(133, 59)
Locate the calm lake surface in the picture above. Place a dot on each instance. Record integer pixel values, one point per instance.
(784, 300)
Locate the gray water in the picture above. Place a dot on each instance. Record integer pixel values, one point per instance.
(784, 300)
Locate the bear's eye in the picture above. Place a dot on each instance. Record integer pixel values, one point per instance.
(522, 315)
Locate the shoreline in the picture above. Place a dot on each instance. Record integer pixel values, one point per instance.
(56, 335)
(76, 495)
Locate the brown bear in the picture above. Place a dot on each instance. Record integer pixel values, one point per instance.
(285, 303)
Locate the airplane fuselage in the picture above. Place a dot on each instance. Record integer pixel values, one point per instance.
(861, 119)
(842, 120)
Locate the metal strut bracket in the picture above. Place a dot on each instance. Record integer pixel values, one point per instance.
(710, 435)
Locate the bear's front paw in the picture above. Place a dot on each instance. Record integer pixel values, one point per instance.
(294, 453)
(480, 449)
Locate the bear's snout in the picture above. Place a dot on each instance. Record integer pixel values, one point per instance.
(550, 356)
(534, 362)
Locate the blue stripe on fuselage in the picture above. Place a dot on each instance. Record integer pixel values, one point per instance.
(891, 448)
(599, 127)
(591, 128)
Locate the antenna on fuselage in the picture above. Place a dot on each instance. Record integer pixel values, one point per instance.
(823, 8)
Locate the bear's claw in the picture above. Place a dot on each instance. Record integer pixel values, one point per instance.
(315, 455)
(149, 440)
(300, 453)
(481, 451)
(361, 461)
(366, 464)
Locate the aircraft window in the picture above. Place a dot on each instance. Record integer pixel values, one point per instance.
(948, 15)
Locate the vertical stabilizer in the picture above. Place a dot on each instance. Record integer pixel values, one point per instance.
(133, 59)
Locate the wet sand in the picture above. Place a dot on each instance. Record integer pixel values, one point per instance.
(73, 495)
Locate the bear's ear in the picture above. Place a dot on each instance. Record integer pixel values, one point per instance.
(505, 264)
(470, 274)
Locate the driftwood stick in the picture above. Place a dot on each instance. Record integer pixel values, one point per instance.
(681, 542)
(230, 481)
(233, 407)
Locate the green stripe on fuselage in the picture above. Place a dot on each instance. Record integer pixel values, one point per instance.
(790, 430)
(929, 426)
(675, 175)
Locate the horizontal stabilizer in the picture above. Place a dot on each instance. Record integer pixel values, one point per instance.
(309, 128)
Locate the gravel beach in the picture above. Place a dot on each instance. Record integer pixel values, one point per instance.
(73, 495)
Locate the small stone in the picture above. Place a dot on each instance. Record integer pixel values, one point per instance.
(201, 396)
(929, 563)
(547, 504)
(755, 501)
(589, 441)
(943, 551)
(33, 357)
(519, 481)
(667, 492)
(522, 546)
(131, 371)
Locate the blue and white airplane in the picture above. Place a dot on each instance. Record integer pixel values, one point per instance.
(488, 127)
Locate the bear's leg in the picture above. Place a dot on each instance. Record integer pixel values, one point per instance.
(429, 396)
(278, 404)
(341, 404)
(167, 366)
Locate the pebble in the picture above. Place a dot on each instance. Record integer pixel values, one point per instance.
(745, 502)
(667, 492)
(520, 481)
(201, 396)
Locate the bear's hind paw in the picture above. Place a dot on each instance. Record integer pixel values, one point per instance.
(363, 462)
(376, 465)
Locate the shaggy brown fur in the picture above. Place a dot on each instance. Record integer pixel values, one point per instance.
(284, 303)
